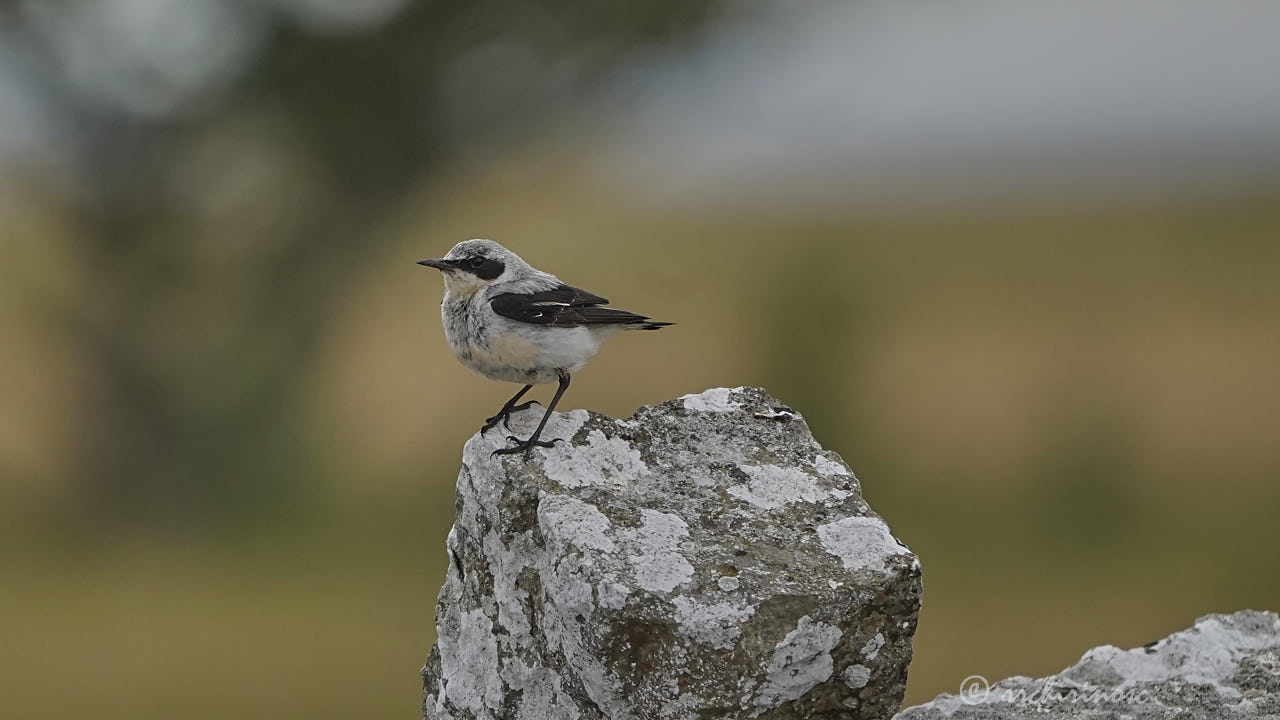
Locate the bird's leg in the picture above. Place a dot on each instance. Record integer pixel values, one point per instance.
(527, 446)
(504, 415)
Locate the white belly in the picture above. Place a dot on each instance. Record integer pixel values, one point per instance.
(502, 349)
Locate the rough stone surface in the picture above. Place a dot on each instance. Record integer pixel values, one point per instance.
(704, 558)
(1225, 666)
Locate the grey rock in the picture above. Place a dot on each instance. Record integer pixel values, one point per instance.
(1224, 666)
(704, 558)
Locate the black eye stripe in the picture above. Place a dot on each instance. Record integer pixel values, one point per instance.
(490, 269)
(482, 267)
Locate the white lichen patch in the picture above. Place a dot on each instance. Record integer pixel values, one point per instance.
(542, 692)
(872, 648)
(770, 487)
(471, 664)
(569, 522)
(713, 400)
(560, 425)
(857, 676)
(655, 558)
(717, 625)
(728, 583)
(505, 564)
(829, 468)
(861, 543)
(685, 707)
(596, 462)
(611, 595)
(799, 662)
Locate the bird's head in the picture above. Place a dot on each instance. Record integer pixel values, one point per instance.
(474, 264)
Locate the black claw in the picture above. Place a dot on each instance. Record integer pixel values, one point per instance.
(506, 421)
(524, 446)
(504, 416)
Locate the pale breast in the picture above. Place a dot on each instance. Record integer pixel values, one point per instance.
(480, 345)
(502, 349)
(506, 350)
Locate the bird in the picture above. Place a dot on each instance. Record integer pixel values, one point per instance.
(510, 322)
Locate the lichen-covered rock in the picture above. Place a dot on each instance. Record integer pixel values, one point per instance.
(1223, 667)
(704, 558)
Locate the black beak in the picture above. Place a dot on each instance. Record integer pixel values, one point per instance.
(438, 263)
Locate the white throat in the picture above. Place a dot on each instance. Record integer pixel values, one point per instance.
(462, 284)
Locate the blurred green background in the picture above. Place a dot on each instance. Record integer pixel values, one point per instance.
(1018, 263)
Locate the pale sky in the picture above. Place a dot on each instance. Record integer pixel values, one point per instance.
(880, 99)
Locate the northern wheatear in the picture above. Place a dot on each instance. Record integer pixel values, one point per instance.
(510, 322)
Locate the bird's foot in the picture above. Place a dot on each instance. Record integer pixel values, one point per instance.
(525, 446)
(504, 416)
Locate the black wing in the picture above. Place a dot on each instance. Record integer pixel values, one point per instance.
(564, 306)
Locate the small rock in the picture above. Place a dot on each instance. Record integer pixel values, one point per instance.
(1225, 666)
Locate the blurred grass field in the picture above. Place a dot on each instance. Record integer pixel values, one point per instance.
(1069, 414)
